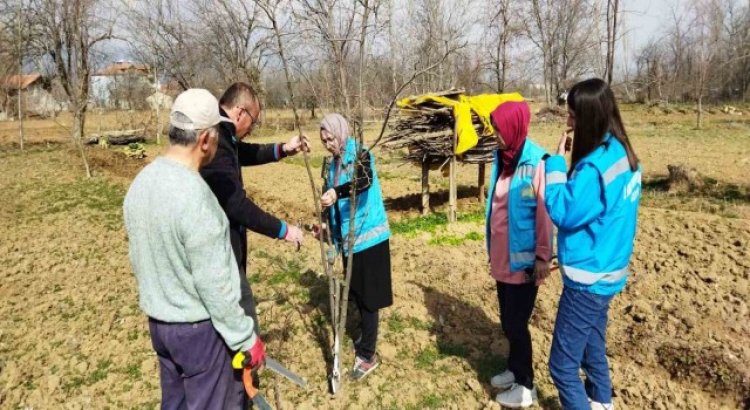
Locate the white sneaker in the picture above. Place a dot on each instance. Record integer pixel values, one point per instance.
(503, 380)
(517, 396)
(595, 405)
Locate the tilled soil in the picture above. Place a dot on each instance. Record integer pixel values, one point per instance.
(72, 336)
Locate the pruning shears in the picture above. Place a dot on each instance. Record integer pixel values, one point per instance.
(242, 361)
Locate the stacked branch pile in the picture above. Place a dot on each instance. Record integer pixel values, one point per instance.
(426, 135)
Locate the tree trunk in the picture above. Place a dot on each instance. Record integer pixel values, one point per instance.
(20, 118)
(79, 121)
(612, 42)
(20, 72)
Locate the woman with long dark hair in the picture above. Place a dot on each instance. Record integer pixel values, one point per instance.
(594, 206)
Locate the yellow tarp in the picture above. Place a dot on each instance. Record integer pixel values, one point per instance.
(482, 105)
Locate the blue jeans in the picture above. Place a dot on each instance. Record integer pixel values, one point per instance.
(579, 342)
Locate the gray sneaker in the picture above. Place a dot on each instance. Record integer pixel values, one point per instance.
(364, 367)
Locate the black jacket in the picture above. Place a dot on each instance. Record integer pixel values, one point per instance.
(224, 176)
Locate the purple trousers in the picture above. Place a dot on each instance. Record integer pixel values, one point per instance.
(195, 367)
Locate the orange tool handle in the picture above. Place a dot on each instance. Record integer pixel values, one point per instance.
(247, 381)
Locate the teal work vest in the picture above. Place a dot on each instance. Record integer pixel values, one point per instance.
(522, 204)
(371, 221)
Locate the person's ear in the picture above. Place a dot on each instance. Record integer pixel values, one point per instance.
(203, 140)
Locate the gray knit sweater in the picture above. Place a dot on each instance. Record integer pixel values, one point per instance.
(180, 252)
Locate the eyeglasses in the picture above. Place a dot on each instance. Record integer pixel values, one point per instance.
(256, 120)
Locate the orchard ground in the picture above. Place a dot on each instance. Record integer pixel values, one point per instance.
(72, 335)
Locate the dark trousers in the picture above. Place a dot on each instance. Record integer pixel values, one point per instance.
(195, 367)
(516, 305)
(365, 345)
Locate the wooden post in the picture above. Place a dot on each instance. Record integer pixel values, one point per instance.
(425, 187)
(480, 183)
(452, 197)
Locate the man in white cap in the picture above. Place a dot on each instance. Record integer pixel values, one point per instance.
(188, 280)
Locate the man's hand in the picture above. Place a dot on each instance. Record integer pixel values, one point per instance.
(253, 358)
(328, 198)
(541, 269)
(296, 144)
(294, 234)
(317, 231)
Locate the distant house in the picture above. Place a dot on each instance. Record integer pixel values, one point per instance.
(121, 85)
(35, 95)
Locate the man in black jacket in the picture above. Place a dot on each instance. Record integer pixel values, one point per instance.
(240, 107)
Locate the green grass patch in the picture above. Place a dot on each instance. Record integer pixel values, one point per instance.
(72, 384)
(133, 371)
(396, 323)
(291, 272)
(385, 175)
(431, 401)
(94, 194)
(428, 223)
(431, 222)
(454, 240)
(476, 216)
(286, 270)
(426, 358)
(451, 349)
(101, 371)
(315, 162)
(490, 366)
(420, 324)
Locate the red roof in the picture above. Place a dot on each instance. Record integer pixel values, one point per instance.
(23, 80)
(122, 67)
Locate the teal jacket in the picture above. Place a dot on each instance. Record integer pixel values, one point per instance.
(371, 221)
(596, 214)
(522, 204)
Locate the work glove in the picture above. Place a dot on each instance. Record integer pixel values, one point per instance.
(296, 144)
(252, 358)
(328, 198)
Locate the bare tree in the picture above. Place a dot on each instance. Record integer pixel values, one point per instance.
(233, 38)
(69, 31)
(706, 32)
(501, 31)
(561, 30)
(333, 23)
(613, 8)
(163, 35)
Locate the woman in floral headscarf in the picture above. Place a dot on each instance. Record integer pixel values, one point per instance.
(370, 285)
